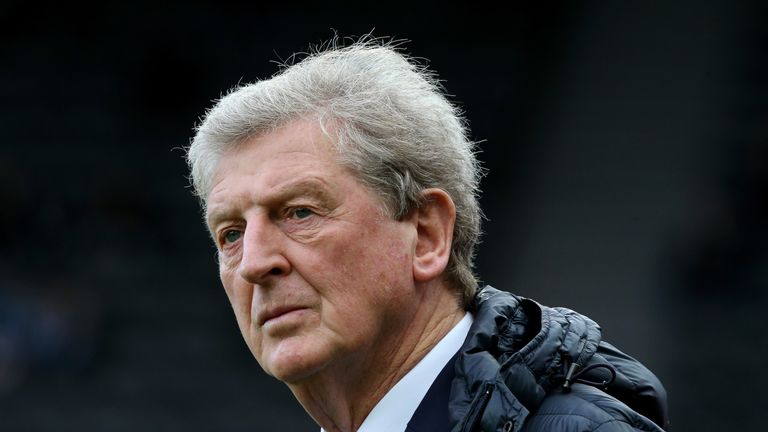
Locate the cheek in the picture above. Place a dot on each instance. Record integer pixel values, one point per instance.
(379, 262)
(239, 295)
(396, 255)
(387, 255)
(228, 277)
(228, 261)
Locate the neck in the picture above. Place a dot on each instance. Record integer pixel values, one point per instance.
(340, 398)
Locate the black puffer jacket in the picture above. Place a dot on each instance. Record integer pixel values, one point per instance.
(512, 374)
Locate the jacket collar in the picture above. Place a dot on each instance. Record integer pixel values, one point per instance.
(512, 357)
(517, 352)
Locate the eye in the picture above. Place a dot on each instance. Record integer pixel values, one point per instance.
(302, 213)
(232, 236)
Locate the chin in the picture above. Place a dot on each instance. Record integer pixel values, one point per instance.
(294, 362)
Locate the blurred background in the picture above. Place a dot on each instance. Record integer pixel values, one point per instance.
(627, 149)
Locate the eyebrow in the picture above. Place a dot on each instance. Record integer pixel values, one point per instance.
(314, 187)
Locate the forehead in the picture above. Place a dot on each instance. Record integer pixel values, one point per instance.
(298, 156)
(298, 137)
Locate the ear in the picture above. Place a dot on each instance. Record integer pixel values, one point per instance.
(434, 229)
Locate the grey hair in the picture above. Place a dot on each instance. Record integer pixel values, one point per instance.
(394, 127)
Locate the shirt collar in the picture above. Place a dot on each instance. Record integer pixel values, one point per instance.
(396, 408)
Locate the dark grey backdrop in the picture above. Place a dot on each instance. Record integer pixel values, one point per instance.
(626, 146)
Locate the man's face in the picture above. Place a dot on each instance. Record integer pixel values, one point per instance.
(316, 273)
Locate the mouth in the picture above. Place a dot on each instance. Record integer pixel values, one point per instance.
(276, 313)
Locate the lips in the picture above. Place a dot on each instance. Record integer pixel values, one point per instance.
(275, 312)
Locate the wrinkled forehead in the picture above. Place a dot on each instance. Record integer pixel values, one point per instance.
(304, 133)
(325, 140)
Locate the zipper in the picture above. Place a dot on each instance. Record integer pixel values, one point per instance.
(477, 408)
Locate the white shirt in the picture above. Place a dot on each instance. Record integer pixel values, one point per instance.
(396, 408)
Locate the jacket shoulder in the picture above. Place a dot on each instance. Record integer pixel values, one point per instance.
(584, 409)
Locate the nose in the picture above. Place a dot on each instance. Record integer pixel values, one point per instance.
(263, 257)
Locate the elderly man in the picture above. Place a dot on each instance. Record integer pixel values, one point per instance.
(341, 195)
